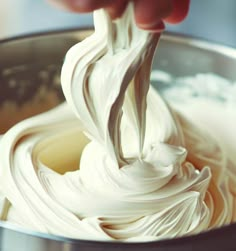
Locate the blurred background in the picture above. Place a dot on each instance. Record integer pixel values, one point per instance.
(213, 20)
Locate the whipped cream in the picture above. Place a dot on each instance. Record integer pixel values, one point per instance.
(115, 162)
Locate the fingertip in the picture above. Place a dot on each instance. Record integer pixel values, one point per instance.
(156, 28)
(58, 4)
(117, 8)
(180, 11)
(85, 6)
(80, 5)
(149, 13)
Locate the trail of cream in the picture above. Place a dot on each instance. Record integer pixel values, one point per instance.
(122, 166)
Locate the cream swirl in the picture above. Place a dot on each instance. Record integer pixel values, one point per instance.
(131, 177)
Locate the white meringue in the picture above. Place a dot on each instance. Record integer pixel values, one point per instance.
(126, 166)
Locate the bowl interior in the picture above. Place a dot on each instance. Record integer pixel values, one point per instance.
(30, 84)
(30, 68)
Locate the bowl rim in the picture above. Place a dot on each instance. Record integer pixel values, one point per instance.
(184, 39)
(196, 41)
(194, 238)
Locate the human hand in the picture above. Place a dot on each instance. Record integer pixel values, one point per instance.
(149, 14)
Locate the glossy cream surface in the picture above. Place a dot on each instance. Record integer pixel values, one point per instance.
(116, 161)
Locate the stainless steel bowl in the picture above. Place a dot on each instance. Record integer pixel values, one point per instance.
(30, 64)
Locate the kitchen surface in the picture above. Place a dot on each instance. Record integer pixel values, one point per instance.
(213, 20)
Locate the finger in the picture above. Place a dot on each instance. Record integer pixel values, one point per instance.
(149, 13)
(117, 8)
(58, 3)
(179, 12)
(83, 5)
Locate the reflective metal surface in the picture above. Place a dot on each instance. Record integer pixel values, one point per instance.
(181, 56)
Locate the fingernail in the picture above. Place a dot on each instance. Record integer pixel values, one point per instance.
(157, 26)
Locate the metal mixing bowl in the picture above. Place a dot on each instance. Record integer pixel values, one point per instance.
(31, 64)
